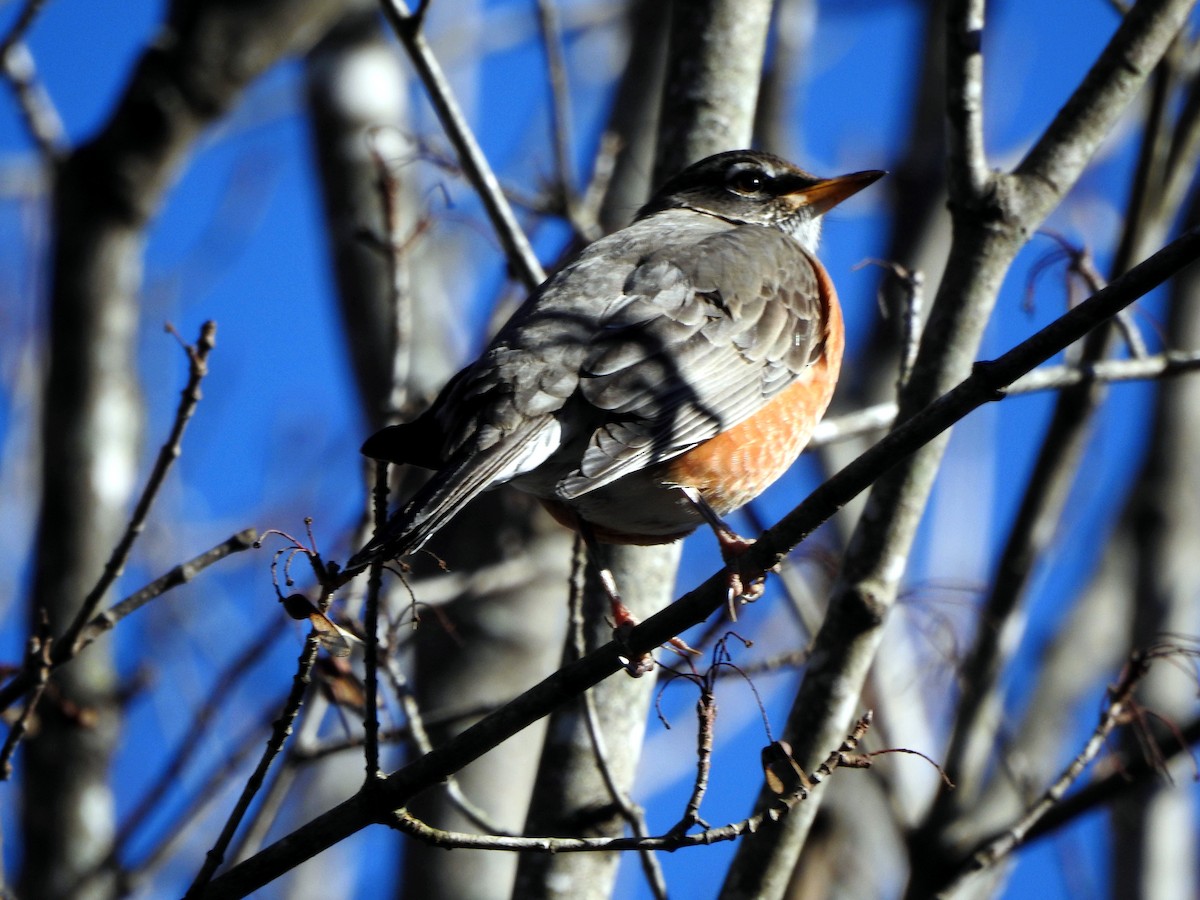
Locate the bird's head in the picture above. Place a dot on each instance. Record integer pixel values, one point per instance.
(753, 188)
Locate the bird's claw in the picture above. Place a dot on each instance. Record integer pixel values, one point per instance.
(624, 622)
(742, 586)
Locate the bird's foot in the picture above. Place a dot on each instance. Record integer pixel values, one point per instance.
(742, 585)
(624, 622)
(636, 664)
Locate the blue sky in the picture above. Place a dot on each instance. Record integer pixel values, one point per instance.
(240, 240)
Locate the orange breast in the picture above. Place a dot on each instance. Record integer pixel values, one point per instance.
(737, 465)
(729, 470)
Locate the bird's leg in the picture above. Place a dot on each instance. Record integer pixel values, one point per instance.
(744, 586)
(623, 620)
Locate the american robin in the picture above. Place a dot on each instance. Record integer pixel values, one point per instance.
(667, 375)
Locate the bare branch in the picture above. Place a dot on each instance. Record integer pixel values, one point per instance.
(841, 757)
(234, 672)
(630, 811)
(108, 620)
(37, 670)
(879, 417)
(209, 789)
(18, 68)
(521, 259)
(417, 732)
(1127, 774)
(41, 117)
(986, 383)
(1120, 698)
(1056, 160)
(283, 728)
(560, 99)
(170, 451)
(370, 712)
(968, 167)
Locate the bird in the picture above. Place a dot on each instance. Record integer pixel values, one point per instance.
(664, 377)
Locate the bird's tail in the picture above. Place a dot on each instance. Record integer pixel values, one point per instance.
(438, 501)
(463, 477)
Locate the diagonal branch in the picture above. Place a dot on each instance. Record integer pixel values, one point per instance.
(1120, 702)
(108, 619)
(989, 229)
(167, 454)
(1057, 159)
(987, 383)
(408, 27)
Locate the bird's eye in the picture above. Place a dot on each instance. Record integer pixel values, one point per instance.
(748, 181)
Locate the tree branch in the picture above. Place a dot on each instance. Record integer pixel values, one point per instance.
(408, 27)
(987, 383)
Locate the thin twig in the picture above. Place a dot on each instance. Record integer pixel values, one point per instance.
(37, 665)
(181, 574)
(1185, 146)
(624, 805)
(192, 741)
(1127, 773)
(322, 749)
(283, 727)
(1083, 265)
(370, 711)
(591, 204)
(21, 25)
(842, 756)
(108, 620)
(209, 788)
(420, 738)
(521, 259)
(18, 67)
(879, 417)
(560, 102)
(170, 451)
(266, 811)
(401, 306)
(706, 714)
(1120, 700)
(911, 301)
(630, 812)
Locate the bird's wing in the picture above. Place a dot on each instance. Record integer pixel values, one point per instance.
(468, 473)
(703, 339)
(625, 358)
(421, 442)
(497, 418)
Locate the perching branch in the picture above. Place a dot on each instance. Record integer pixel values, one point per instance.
(987, 383)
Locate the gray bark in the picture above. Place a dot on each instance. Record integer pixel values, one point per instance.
(993, 214)
(105, 193)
